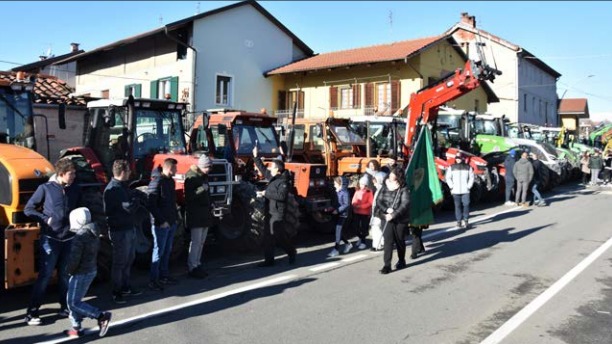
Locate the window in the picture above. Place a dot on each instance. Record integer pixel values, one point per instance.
(383, 97)
(133, 90)
(220, 140)
(223, 94)
(165, 88)
(476, 105)
(533, 104)
(525, 102)
(346, 98)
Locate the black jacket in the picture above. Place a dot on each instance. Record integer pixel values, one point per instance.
(386, 199)
(276, 191)
(537, 171)
(119, 206)
(52, 200)
(162, 199)
(197, 199)
(84, 251)
(509, 165)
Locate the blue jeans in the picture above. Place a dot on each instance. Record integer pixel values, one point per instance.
(162, 247)
(53, 253)
(77, 288)
(537, 198)
(509, 186)
(124, 251)
(462, 206)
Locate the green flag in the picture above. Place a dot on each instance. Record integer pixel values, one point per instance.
(422, 180)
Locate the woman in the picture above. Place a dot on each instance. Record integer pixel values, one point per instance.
(392, 206)
(584, 167)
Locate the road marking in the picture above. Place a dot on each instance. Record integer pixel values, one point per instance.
(352, 259)
(140, 317)
(324, 266)
(548, 294)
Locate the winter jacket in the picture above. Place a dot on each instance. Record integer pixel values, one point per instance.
(162, 199)
(197, 199)
(362, 202)
(277, 190)
(595, 163)
(119, 206)
(85, 245)
(523, 170)
(343, 205)
(537, 171)
(509, 166)
(398, 199)
(57, 202)
(459, 178)
(584, 165)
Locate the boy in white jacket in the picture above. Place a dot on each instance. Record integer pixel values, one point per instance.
(460, 178)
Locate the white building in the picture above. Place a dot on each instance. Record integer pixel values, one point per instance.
(527, 89)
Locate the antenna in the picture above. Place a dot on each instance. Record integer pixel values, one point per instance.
(161, 20)
(198, 8)
(391, 22)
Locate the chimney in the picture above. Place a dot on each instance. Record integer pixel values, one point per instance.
(468, 19)
(74, 47)
(42, 57)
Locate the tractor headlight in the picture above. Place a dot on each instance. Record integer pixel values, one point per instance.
(311, 184)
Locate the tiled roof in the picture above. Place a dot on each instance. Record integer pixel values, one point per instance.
(371, 54)
(573, 105)
(48, 89)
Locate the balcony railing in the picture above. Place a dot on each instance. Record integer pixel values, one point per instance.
(282, 114)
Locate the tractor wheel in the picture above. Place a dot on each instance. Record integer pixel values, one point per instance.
(448, 203)
(477, 190)
(242, 230)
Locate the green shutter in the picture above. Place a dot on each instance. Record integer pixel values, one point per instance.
(126, 91)
(137, 91)
(174, 87)
(154, 89)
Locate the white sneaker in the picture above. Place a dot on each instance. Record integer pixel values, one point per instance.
(509, 203)
(358, 242)
(333, 253)
(362, 246)
(347, 248)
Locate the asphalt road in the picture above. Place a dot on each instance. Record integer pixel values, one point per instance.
(520, 275)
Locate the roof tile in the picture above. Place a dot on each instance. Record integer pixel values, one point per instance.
(48, 89)
(574, 105)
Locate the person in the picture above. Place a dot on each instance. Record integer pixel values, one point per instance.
(162, 205)
(523, 172)
(120, 206)
(370, 173)
(584, 167)
(537, 180)
(376, 222)
(460, 179)
(341, 210)
(392, 207)
(57, 198)
(362, 211)
(82, 268)
(197, 213)
(607, 172)
(595, 164)
(275, 195)
(509, 166)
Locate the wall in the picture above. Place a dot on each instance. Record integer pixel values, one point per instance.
(537, 95)
(59, 139)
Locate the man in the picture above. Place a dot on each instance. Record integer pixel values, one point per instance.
(57, 198)
(460, 178)
(197, 213)
(164, 218)
(595, 164)
(537, 180)
(276, 202)
(509, 166)
(523, 172)
(120, 206)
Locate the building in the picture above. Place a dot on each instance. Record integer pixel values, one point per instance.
(216, 59)
(571, 110)
(371, 80)
(47, 65)
(527, 89)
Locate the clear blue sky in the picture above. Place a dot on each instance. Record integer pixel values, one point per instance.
(570, 36)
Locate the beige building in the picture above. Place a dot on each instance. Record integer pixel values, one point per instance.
(571, 110)
(371, 80)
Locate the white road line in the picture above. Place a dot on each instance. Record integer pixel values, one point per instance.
(548, 294)
(352, 259)
(184, 305)
(324, 266)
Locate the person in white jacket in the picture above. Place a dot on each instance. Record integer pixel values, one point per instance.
(460, 178)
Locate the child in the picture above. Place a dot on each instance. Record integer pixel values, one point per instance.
(82, 270)
(362, 210)
(342, 211)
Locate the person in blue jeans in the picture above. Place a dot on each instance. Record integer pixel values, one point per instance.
(460, 178)
(50, 206)
(82, 268)
(537, 180)
(162, 205)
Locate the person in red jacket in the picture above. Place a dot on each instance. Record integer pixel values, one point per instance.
(362, 211)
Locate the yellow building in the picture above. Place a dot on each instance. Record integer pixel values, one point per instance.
(371, 80)
(571, 111)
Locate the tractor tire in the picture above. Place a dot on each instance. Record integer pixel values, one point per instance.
(448, 203)
(242, 230)
(477, 191)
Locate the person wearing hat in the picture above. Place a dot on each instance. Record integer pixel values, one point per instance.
(509, 166)
(197, 213)
(362, 210)
(460, 179)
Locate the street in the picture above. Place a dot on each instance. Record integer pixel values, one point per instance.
(519, 275)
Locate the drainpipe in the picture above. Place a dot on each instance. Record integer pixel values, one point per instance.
(193, 65)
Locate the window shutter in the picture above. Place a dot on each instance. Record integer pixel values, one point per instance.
(137, 91)
(333, 97)
(369, 94)
(174, 87)
(126, 91)
(357, 96)
(282, 100)
(301, 100)
(395, 95)
(154, 89)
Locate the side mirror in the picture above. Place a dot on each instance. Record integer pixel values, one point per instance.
(61, 116)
